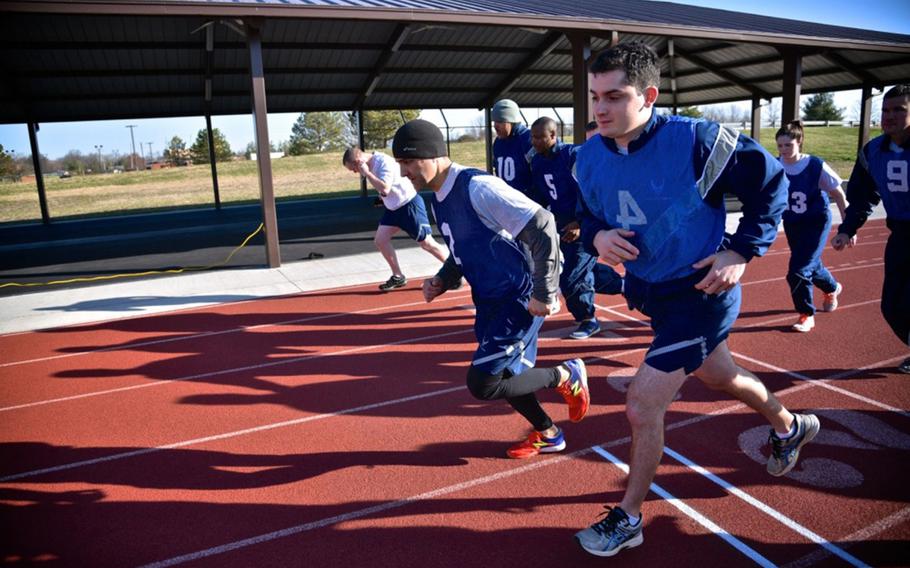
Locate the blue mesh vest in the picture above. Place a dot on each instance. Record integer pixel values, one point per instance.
(653, 191)
(510, 155)
(552, 176)
(807, 201)
(495, 266)
(891, 172)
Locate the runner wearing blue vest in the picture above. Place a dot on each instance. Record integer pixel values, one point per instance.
(654, 188)
(555, 188)
(882, 173)
(512, 149)
(506, 247)
(807, 221)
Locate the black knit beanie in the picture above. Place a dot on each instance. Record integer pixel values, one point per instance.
(419, 139)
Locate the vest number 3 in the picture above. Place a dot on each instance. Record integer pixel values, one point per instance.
(798, 202)
(629, 211)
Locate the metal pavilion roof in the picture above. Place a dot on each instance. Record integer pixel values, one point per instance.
(104, 59)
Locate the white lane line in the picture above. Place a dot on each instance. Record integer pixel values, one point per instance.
(786, 250)
(236, 370)
(784, 278)
(266, 537)
(825, 384)
(234, 434)
(764, 508)
(693, 514)
(241, 329)
(866, 533)
(789, 317)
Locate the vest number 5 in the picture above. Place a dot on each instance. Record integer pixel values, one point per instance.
(629, 211)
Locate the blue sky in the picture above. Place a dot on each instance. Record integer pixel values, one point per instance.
(55, 139)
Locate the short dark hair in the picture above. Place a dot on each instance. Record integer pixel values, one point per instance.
(639, 62)
(545, 122)
(591, 126)
(900, 90)
(349, 155)
(792, 130)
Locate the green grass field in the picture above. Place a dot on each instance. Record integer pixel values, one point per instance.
(295, 177)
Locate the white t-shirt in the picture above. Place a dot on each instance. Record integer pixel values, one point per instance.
(828, 180)
(502, 208)
(401, 190)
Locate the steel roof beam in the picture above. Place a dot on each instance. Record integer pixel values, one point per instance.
(393, 45)
(710, 67)
(544, 48)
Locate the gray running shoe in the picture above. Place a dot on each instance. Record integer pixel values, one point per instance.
(784, 453)
(612, 534)
(393, 282)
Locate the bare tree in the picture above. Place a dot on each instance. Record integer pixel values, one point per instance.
(772, 112)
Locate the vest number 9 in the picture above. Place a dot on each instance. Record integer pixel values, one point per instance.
(798, 202)
(450, 238)
(629, 211)
(897, 176)
(506, 168)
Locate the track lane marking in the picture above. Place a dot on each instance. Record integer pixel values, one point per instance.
(206, 334)
(768, 510)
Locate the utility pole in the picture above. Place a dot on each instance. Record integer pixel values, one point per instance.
(151, 158)
(133, 142)
(100, 163)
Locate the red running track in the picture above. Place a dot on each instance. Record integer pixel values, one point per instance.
(334, 429)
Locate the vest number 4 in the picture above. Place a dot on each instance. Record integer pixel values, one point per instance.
(629, 211)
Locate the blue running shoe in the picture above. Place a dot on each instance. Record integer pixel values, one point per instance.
(612, 534)
(586, 329)
(575, 389)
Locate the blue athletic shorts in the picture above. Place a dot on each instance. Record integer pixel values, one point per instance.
(506, 336)
(688, 324)
(410, 217)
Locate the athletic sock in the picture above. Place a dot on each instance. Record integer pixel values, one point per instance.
(789, 433)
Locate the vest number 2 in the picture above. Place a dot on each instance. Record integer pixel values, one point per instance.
(629, 211)
(447, 233)
(897, 176)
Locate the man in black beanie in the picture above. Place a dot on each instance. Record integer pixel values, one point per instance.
(487, 226)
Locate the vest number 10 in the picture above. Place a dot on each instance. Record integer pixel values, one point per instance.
(506, 168)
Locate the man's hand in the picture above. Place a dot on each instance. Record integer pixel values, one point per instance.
(432, 287)
(727, 268)
(841, 240)
(363, 167)
(571, 232)
(613, 247)
(538, 308)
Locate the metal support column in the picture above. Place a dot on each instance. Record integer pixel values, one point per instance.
(865, 117)
(671, 55)
(39, 175)
(793, 74)
(361, 141)
(211, 135)
(756, 118)
(581, 51)
(448, 142)
(488, 137)
(261, 129)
